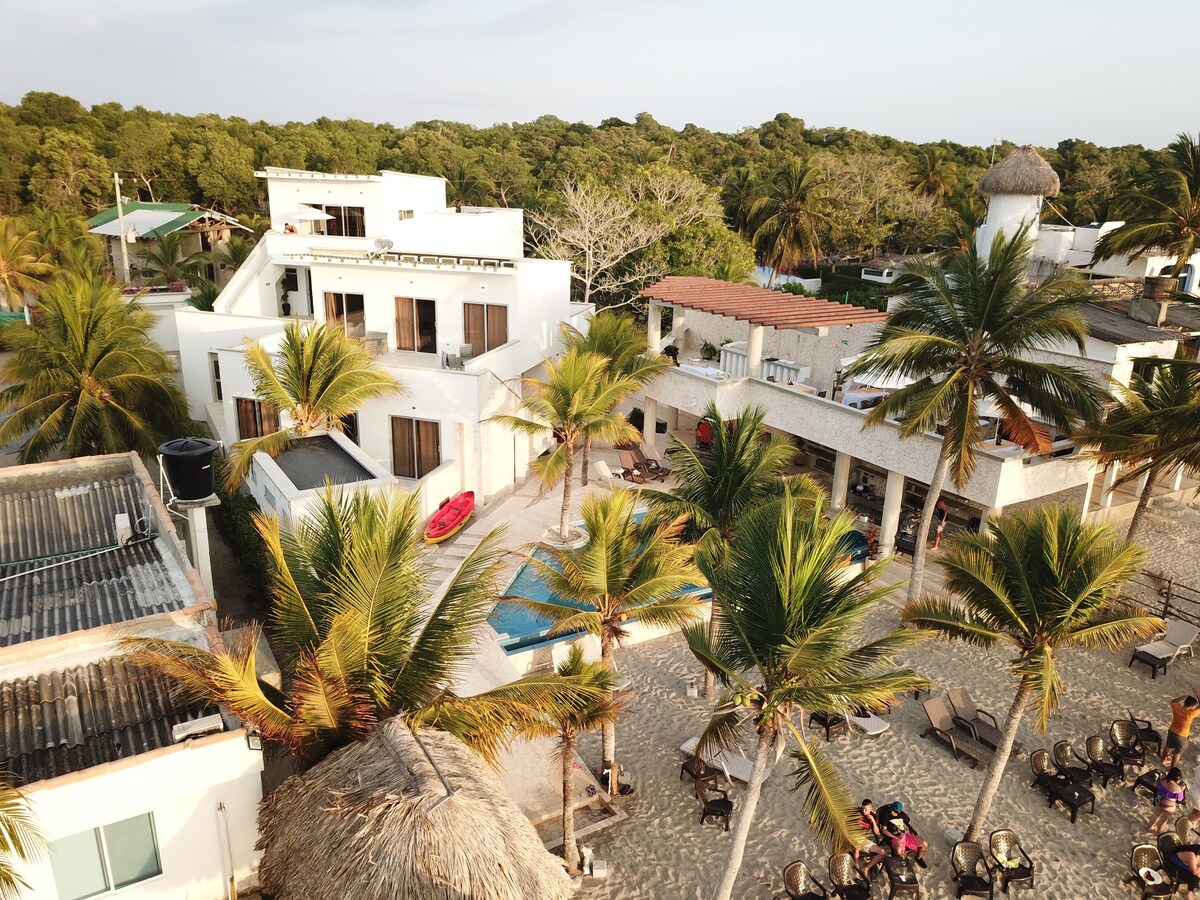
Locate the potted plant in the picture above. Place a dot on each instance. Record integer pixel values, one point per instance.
(284, 304)
(708, 350)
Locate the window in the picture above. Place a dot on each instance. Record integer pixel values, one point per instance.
(416, 325)
(105, 859)
(291, 280)
(405, 214)
(255, 419)
(346, 312)
(485, 326)
(347, 221)
(1144, 369)
(416, 447)
(214, 367)
(350, 426)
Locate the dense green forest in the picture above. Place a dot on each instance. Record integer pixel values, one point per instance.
(787, 192)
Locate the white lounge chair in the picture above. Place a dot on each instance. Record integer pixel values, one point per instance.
(735, 764)
(606, 474)
(869, 723)
(1175, 640)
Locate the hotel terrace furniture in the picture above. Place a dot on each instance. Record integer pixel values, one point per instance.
(650, 464)
(1126, 747)
(1044, 776)
(961, 741)
(831, 723)
(636, 471)
(1175, 640)
(698, 770)
(1062, 762)
(1073, 797)
(901, 877)
(734, 763)
(971, 873)
(1149, 874)
(847, 882)
(1094, 747)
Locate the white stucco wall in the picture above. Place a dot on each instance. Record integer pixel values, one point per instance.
(1007, 213)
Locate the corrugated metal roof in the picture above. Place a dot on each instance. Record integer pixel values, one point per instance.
(1116, 328)
(67, 720)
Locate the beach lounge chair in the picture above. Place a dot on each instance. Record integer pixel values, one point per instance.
(632, 471)
(845, 880)
(1094, 747)
(1126, 747)
(605, 474)
(961, 741)
(1044, 775)
(796, 879)
(971, 873)
(867, 722)
(651, 464)
(1176, 639)
(734, 763)
(719, 807)
(1149, 874)
(1010, 862)
(1147, 734)
(981, 723)
(1063, 759)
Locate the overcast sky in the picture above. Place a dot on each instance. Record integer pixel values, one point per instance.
(1032, 71)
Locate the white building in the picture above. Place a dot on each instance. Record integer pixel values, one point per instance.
(138, 792)
(445, 298)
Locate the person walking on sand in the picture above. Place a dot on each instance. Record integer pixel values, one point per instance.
(940, 515)
(1184, 710)
(1168, 794)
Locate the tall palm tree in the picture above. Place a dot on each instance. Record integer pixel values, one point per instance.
(235, 252)
(86, 378)
(618, 339)
(792, 216)
(319, 377)
(20, 840)
(24, 265)
(468, 185)
(934, 175)
(1145, 423)
(791, 646)
(625, 568)
(1037, 582)
(735, 271)
(966, 211)
(164, 262)
(739, 190)
(1162, 210)
(361, 635)
(575, 402)
(58, 230)
(963, 334)
(717, 487)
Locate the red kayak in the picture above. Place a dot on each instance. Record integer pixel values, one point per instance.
(452, 515)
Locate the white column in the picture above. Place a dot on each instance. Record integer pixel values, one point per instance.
(1110, 478)
(197, 519)
(677, 325)
(841, 481)
(754, 352)
(893, 495)
(672, 418)
(1177, 484)
(1141, 483)
(654, 329)
(989, 515)
(650, 423)
(1086, 505)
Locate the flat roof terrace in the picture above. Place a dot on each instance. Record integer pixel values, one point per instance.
(310, 461)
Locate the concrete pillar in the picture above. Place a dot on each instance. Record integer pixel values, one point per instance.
(1086, 505)
(654, 329)
(672, 418)
(677, 325)
(989, 515)
(754, 352)
(1141, 484)
(841, 481)
(650, 423)
(197, 519)
(893, 495)
(1110, 478)
(1177, 484)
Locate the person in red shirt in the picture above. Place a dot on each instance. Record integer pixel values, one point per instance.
(869, 823)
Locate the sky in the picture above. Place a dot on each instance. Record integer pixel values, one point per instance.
(1108, 71)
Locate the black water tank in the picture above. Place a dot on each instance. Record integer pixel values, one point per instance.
(188, 464)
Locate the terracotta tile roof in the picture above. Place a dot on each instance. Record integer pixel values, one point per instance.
(71, 719)
(757, 305)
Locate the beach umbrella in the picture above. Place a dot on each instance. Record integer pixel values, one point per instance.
(307, 214)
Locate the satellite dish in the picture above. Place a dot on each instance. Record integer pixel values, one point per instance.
(383, 244)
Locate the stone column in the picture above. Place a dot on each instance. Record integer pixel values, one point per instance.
(893, 495)
(677, 324)
(1177, 484)
(841, 482)
(1086, 505)
(989, 515)
(1110, 478)
(1141, 484)
(654, 329)
(650, 423)
(754, 352)
(672, 418)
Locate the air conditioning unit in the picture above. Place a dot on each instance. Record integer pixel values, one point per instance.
(185, 731)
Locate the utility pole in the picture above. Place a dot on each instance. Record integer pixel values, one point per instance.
(121, 225)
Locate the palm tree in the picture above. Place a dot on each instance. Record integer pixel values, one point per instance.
(581, 720)
(792, 216)
(625, 568)
(86, 378)
(319, 378)
(935, 175)
(963, 333)
(59, 230)
(966, 211)
(575, 402)
(164, 263)
(20, 840)
(361, 635)
(1038, 582)
(467, 185)
(739, 191)
(24, 265)
(791, 646)
(1162, 211)
(258, 225)
(1144, 424)
(735, 271)
(235, 252)
(717, 487)
(617, 338)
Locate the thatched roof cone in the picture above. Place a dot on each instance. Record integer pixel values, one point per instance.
(1021, 172)
(373, 821)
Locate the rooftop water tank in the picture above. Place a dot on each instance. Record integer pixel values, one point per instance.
(189, 468)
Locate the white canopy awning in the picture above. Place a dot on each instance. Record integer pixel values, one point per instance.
(882, 382)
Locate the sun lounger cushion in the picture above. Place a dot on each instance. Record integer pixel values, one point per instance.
(869, 723)
(735, 764)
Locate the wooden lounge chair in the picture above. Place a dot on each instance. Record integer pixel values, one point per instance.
(1107, 770)
(1063, 763)
(961, 741)
(796, 879)
(981, 723)
(1143, 860)
(1006, 849)
(633, 471)
(845, 880)
(971, 873)
(650, 464)
(1175, 640)
(1126, 747)
(719, 807)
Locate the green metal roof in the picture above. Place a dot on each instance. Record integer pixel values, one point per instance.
(106, 216)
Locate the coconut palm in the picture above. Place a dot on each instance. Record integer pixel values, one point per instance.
(361, 635)
(467, 185)
(20, 840)
(164, 262)
(1162, 210)
(24, 265)
(318, 377)
(792, 216)
(965, 212)
(86, 378)
(59, 230)
(258, 225)
(235, 252)
(1037, 582)
(791, 646)
(1148, 419)
(963, 333)
(717, 487)
(618, 339)
(625, 568)
(934, 175)
(735, 271)
(575, 402)
(739, 190)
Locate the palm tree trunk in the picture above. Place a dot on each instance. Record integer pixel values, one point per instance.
(745, 818)
(987, 794)
(917, 582)
(570, 851)
(585, 461)
(1143, 501)
(608, 731)
(710, 680)
(564, 520)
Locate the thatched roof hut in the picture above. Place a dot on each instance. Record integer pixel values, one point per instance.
(1021, 172)
(396, 819)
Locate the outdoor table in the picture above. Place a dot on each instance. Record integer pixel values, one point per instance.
(856, 399)
(1154, 662)
(1072, 796)
(901, 877)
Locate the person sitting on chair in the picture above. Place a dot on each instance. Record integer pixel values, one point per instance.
(869, 822)
(895, 825)
(1185, 864)
(289, 228)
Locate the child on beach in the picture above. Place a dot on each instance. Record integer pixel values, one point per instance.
(1184, 710)
(1168, 794)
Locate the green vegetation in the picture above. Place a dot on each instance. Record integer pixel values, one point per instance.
(20, 840)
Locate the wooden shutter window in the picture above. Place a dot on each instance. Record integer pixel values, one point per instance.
(429, 450)
(406, 324)
(404, 463)
(475, 326)
(497, 326)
